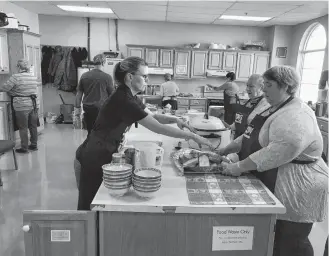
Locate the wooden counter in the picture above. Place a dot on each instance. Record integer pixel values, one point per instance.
(169, 225)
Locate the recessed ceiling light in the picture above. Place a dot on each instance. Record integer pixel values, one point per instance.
(70, 8)
(250, 18)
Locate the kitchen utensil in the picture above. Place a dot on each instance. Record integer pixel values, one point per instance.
(211, 128)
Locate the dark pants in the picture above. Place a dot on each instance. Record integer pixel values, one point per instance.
(27, 120)
(326, 249)
(173, 104)
(90, 116)
(291, 239)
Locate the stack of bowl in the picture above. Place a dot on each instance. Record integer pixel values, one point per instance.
(146, 181)
(117, 178)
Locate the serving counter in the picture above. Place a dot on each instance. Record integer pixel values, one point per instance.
(171, 224)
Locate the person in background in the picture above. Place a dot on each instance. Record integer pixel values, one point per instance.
(169, 91)
(231, 91)
(22, 87)
(282, 146)
(256, 104)
(122, 109)
(95, 86)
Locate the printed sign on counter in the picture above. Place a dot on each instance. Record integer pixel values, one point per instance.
(60, 236)
(181, 69)
(234, 238)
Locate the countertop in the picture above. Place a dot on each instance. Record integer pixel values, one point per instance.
(173, 195)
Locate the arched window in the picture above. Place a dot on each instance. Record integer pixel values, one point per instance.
(312, 50)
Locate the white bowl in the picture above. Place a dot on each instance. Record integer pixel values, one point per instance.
(117, 168)
(147, 174)
(117, 176)
(118, 192)
(117, 183)
(146, 188)
(146, 194)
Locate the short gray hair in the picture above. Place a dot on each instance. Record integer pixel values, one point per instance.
(257, 79)
(285, 76)
(23, 65)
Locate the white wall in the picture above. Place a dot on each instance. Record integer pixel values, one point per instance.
(73, 31)
(24, 16)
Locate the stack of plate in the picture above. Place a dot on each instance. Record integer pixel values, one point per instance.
(117, 178)
(146, 181)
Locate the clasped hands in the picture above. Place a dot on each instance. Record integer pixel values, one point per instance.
(230, 168)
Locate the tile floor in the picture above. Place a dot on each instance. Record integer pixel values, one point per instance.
(45, 180)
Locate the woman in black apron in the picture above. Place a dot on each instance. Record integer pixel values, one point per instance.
(118, 113)
(169, 91)
(231, 90)
(284, 144)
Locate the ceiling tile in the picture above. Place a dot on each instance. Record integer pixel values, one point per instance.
(253, 13)
(308, 8)
(131, 15)
(201, 4)
(149, 2)
(216, 11)
(263, 6)
(192, 16)
(136, 7)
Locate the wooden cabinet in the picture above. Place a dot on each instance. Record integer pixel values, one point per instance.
(182, 64)
(244, 65)
(4, 60)
(229, 61)
(198, 104)
(215, 60)
(60, 233)
(152, 57)
(136, 51)
(199, 64)
(166, 58)
(261, 63)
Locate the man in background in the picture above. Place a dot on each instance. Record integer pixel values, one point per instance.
(95, 86)
(22, 87)
(169, 91)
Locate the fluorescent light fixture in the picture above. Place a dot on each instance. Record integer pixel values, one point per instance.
(71, 8)
(250, 18)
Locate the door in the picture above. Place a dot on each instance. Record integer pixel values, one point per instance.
(166, 58)
(199, 64)
(136, 51)
(60, 233)
(37, 62)
(29, 52)
(261, 63)
(152, 57)
(4, 60)
(229, 61)
(182, 64)
(244, 66)
(215, 60)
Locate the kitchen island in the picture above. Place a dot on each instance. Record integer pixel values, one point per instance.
(170, 224)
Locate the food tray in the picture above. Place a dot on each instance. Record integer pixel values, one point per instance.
(175, 156)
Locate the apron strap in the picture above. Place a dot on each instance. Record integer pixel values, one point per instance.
(303, 162)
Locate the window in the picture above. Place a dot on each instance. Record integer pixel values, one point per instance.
(312, 51)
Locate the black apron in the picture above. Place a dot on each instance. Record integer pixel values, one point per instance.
(242, 113)
(229, 109)
(34, 102)
(250, 145)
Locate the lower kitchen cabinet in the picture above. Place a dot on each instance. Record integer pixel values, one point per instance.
(60, 233)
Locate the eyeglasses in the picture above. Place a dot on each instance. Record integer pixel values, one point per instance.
(144, 76)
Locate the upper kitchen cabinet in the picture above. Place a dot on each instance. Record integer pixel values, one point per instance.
(182, 63)
(166, 58)
(261, 63)
(4, 60)
(136, 51)
(229, 61)
(244, 65)
(152, 57)
(24, 45)
(199, 64)
(215, 60)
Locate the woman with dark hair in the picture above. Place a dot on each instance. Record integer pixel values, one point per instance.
(118, 113)
(169, 91)
(282, 146)
(231, 90)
